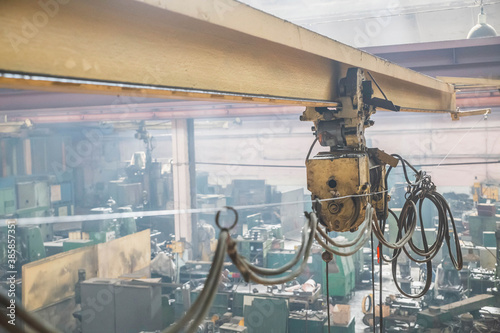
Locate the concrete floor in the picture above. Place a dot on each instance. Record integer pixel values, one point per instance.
(388, 288)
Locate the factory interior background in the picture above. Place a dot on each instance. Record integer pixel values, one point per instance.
(109, 201)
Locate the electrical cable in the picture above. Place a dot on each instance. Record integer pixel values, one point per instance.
(202, 304)
(249, 271)
(417, 192)
(303, 166)
(365, 232)
(332, 20)
(328, 296)
(380, 261)
(311, 148)
(141, 214)
(284, 268)
(355, 241)
(373, 284)
(374, 81)
(401, 240)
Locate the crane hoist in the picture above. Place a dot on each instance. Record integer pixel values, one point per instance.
(350, 175)
(349, 171)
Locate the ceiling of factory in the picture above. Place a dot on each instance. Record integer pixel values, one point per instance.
(368, 24)
(379, 22)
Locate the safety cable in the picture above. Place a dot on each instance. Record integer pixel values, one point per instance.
(417, 192)
(380, 261)
(373, 285)
(328, 295)
(365, 232)
(250, 272)
(284, 268)
(200, 307)
(141, 214)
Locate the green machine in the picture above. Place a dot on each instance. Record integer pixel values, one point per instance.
(105, 229)
(7, 201)
(127, 225)
(29, 245)
(341, 281)
(71, 244)
(266, 314)
(342, 271)
(220, 304)
(479, 224)
(277, 258)
(256, 244)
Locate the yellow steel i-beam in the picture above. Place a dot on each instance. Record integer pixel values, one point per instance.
(215, 49)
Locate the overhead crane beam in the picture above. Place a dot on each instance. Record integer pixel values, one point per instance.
(202, 49)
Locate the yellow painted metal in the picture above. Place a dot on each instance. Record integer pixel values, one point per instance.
(50, 280)
(335, 176)
(467, 83)
(176, 247)
(456, 115)
(484, 191)
(124, 255)
(210, 49)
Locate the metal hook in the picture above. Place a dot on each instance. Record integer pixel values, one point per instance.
(235, 218)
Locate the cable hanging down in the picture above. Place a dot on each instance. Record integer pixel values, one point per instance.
(417, 192)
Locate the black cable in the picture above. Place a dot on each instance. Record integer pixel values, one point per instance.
(373, 285)
(310, 149)
(327, 296)
(381, 325)
(382, 229)
(374, 81)
(417, 192)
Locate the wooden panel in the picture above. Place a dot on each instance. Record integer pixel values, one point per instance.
(50, 280)
(124, 255)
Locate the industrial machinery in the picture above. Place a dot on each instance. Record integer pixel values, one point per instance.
(28, 244)
(481, 192)
(349, 171)
(348, 183)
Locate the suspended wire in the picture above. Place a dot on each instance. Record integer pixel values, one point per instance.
(463, 136)
(358, 243)
(251, 272)
(373, 283)
(319, 21)
(303, 166)
(328, 295)
(139, 214)
(419, 190)
(200, 307)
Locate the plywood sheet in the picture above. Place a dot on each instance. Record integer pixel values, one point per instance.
(124, 255)
(50, 280)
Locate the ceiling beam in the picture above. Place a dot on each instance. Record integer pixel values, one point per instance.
(186, 109)
(198, 49)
